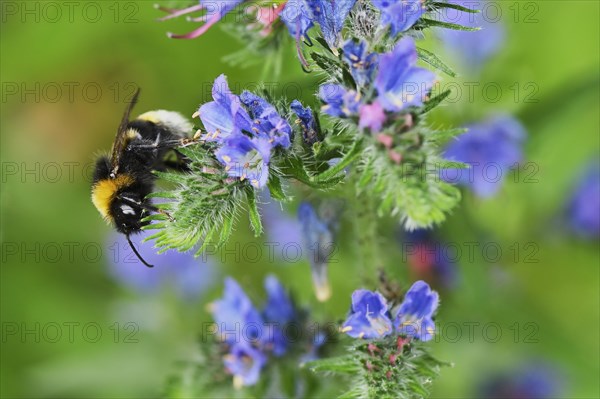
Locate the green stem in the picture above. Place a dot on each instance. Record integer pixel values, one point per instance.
(365, 230)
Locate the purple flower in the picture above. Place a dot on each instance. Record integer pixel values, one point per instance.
(225, 116)
(400, 15)
(362, 63)
(306, 121)
(491, 148)
(279, 307)
(298, 17)
(414, 316)
(245, 363)
(246, 158)
(372, 116)
(331, 16)
(215, 11)
(584, 205)
(188, 275)
(236, 318)
(399, 82)
(473, 48)
(339, 101)
(279, 311)
(369, 316)
(318, 244)
(267, 122)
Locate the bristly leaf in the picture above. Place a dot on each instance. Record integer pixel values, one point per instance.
(255, 220)
(435, 101)
(275, 188)
(340, 364)
(438, 5)
(434, 61)
(346, 160)
(386, 372)
(202, 204)
(441, 24)
(442, 136)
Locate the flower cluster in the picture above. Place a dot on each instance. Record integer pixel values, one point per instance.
(246, 130)
(251, 335)
(372, 317)
(399, 84)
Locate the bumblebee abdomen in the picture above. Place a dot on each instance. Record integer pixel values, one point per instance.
(173, 122)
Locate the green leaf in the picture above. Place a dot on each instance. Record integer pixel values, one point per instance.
(255, 220)
(435, 62)
(325, 63)
(435, 101)
(432, 22)
(227, 229)
(346, 160)
(442, 136)
(275, 188)
(340, 364)
(438, 5)
(294, 168)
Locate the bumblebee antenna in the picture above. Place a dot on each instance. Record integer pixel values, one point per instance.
(136, 252)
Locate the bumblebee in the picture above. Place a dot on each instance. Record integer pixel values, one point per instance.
(122, 181)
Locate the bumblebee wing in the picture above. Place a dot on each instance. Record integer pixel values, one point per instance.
(121, 138)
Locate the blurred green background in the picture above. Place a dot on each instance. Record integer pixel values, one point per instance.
(65, 80)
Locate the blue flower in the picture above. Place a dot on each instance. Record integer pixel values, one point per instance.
(215, 11)
(246, 158)
(225, 116)
(279, 310)
(267, 122)
(331, 16)
(399, 82)
(190, 276)
(491, 148)
(318, 244)
(362, 63)
(298, 17)
(472, 48)
(236, 318)
(306, 121)
(339, 101)
(279, 307)
(414, 316)
(583, 210)
(245, 363)
(400, 15)
(369, 316)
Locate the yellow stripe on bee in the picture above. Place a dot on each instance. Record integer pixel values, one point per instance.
(132, 134)
(104, 191)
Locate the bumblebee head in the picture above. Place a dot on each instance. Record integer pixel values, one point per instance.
(118, 198)
(127, 212)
